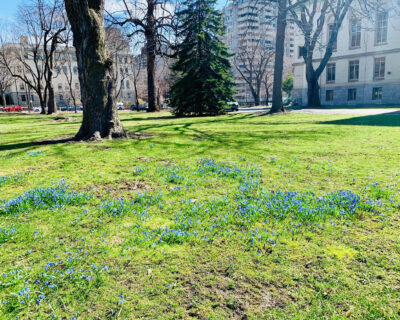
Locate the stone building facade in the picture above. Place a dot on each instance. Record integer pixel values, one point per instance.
(365, 66)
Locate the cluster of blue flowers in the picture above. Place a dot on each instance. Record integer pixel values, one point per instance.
(7, 233)
(225, 170)
(43, 198)
(137, 206)
(4, 180)
(281, 205)
(36, 153)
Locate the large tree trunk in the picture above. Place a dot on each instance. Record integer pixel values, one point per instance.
(100, 116)
(3, 98)
(313, 99)
(277, 105)
(42, 104)
(51, 103)
(151, 70)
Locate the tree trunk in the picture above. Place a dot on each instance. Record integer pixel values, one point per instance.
(277, 105)
(42, 104)
(51, 103)
(100, 116)
(151, 70)
(3, 98)
(313, 99)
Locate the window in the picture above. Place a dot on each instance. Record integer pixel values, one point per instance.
(76, 85)
(355, 33)
(22, 86)
(329, 95)
(127, 84)
(354, 70)
(75, 69)
(377, 93)
(351, 94)
(32, 98)
(379, 68)
(331, 28)
(60, 86)
(65, 69)
(23, 98)
(381, 28)
(331, 72)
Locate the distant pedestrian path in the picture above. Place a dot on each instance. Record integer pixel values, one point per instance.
(366, 111)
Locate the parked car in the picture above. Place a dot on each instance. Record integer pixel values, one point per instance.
(233, 106)
(120, 106)
(36, 109)
(287, 101)
(142, 107)
(13, 109)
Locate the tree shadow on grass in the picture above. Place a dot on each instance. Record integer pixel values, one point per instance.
(391, 119)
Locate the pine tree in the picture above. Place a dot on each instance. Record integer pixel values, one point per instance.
(202, 81)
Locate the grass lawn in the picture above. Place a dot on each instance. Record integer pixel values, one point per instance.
(293, 216)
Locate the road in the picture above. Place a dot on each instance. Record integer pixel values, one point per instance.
(361, 111)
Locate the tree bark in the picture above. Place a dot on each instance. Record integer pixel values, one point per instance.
(313, 99)
(277, 105)
(151, 70)
(100, 116)
(51, 102)
(3, 97)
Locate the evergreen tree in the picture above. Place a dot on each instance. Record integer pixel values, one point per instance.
(202, 81)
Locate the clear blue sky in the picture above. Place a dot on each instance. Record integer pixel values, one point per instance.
(8, 9)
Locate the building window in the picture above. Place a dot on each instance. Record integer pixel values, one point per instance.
(331, 72)
(76, 85)
(22, 86)
(65, 69)
(381, 28)
(379, 68)
(329, 95)
(75, 69)
(23, 98)
(355, 33)
(354, 70)
(32, 98)
(377, 93)
(61, 97)
(127, 84)
(352, 94)
(60, 86)
(331, 28)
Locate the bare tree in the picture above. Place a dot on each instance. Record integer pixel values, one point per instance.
(53, 22)
(281, 23)
(136, 68)
(310, 19)
(95, 66)
(154, 20)
(6, 81)
(252, 63)
(23, 55)
(68, 68)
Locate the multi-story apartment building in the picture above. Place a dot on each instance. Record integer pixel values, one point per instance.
(66, 79)
(250, 24)
(365, 66)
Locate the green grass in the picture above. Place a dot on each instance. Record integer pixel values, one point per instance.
(242, 216)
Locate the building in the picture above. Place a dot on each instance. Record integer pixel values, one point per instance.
(66, 79)
(250, 24)
(365, 66)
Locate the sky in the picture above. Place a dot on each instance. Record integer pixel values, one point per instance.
(8, 9)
